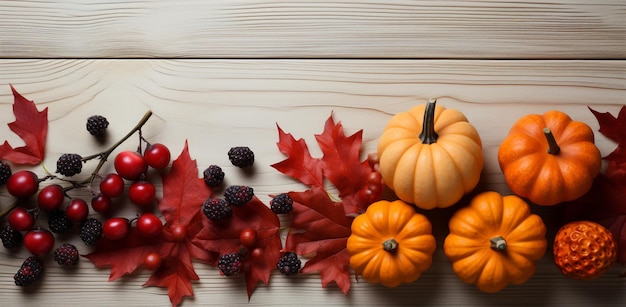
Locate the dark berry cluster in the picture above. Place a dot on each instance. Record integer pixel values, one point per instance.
(66, 255)
(5, 172)
(216, 209)
(238, 195)
(69, 164)
(281, 204)
(289, 264)
(58, 222)
(11, 237)
(241, 156)
(91, 231)
(213, 176)
(230, 264)
(30, 271)
(97, 125)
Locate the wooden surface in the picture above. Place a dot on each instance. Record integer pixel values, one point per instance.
(252, 64)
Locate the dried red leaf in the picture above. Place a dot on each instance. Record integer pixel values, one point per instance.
(320, 230)
(222, 237)
(299, 163)
(31, 125)
(321, 226)
(124, 256)
(342, 167)
(183, 195)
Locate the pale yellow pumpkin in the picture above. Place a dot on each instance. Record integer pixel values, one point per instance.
(430, 156)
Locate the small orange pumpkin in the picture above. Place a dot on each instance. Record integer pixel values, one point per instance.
(430, 156)
(549, 158)
(391, 243)
(495, 241)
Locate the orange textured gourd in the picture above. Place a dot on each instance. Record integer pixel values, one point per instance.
(584, 250)
(549, 158)
(430, 156)
(391, 243)
(495, 241)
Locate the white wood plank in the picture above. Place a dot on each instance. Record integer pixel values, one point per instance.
(215, 104)
(312, 29)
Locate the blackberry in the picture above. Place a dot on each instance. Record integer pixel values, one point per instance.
(238, 195)
(230, 264)
(66, 255)
(97, 125)
(289, 264)
(5, 172)
(213, 176)
(58, 222)
(91, 231)
(30, 271)
(11, 237)
(216, 209)
(69, 164)
(241, 157)
(281, 204)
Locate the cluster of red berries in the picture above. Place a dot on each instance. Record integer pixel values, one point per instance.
(131, 169)
(22, 227)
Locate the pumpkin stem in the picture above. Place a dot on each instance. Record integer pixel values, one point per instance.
(498, 243)
(428, 135)
(390, 245)
(553, 147)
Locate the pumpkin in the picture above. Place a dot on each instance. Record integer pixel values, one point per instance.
(390, 243)
(495, 241)
(549, 158)
(430, 156)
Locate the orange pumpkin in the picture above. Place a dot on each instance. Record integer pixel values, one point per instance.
(391, 243)
(495, 241)
(549, 158)
(430, 156)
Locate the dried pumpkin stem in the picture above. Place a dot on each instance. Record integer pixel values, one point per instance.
(498, 243)
(390, 245)
(428, 134)
(553, 147)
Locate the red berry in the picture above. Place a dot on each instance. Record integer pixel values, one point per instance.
(256, 253)
(115, 228)
(152, 261)
(101, 203)
(21, 219)
(142, 193)
(51, 198)
(179, 233)
(39, 242)
(248, 237)
(112, 185)
(23, 184)
(77, 210)
(157, 156)
(130, 165)
(149, 225)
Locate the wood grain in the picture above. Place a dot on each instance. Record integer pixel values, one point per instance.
(545, 29)
(216, 104)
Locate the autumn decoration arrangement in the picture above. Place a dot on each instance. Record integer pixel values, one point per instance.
(429, 156)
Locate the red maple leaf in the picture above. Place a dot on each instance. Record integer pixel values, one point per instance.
(183, 196)
(605, 202)
(31, 125)
(321, 226)
(320, 230)
(222, 237)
